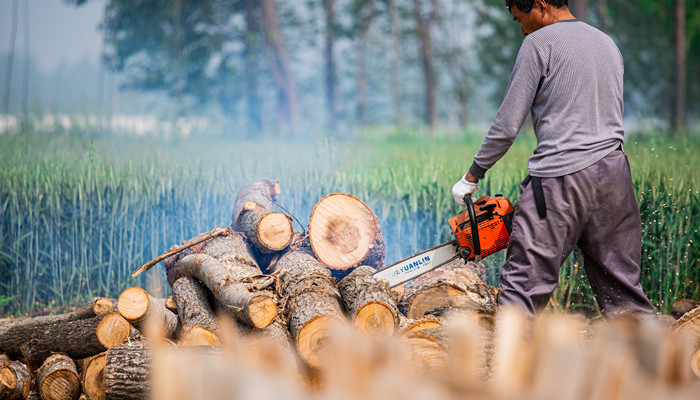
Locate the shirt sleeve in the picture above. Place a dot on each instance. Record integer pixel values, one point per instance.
(520, 93)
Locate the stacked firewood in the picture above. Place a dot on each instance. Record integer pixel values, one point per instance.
(258, 307)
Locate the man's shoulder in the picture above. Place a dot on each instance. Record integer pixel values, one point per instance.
(570, 29)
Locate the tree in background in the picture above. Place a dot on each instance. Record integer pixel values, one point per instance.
(395, 59)
(10, 58)
(331, 73)
(425, 20)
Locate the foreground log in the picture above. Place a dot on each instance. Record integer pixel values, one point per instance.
(257, 309)
(15, 380)
(312, 304)
(93, 377)
(369, 302)
(454, 285)
(407, 325)
(196, 315)
(267, 231)
(262, 192)
(127, 373)
(78, 339)
(695, 363)
(145, 312)
(689, 324)
(345, 233)
(428, 349)
(682, 306)
(58, 379)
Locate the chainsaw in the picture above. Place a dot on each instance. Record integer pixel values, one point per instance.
(480, 230)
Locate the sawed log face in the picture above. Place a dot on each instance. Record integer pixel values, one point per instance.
(146, 312)
(369, 302)
(58, 379)
(267, 231)
(15, 380)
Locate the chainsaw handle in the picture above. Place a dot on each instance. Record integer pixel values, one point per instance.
(475, 229)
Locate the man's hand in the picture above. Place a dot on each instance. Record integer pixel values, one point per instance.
(464, 187)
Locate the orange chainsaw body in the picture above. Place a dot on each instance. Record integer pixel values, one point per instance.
(494, 216)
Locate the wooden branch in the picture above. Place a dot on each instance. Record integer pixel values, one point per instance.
(199, 239)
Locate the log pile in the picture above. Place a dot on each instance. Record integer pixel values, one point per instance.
(257, 306)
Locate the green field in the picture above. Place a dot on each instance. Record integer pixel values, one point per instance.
(79, 212)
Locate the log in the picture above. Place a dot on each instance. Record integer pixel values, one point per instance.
(254, 308)
(428, 349)
(127, 373)
(262, 192)
(407, 325)
(689, 324)
(103, 305)
(93, 377)
(452, 285)
(170, 304)
(345, 233)
(267, 231)
(312, 304)
(695, 363)
(146, 312)
(196, 315)
(682, 306)
(369, 302)
(58, 379)
(78, 339)
(15, 380)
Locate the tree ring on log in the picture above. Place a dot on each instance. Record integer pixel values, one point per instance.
(342, 230)
(312, 339)
(262, 311)
(94, 377)
(8, 379)
(275, 231)
(133, 303)
(375, 319)
(113, 330)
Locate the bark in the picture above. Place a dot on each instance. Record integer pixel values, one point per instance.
(682, 306)
(193, 304)
(280, 67)
(268, 232)
(345, 233)
(230, 286)
(262, 192)
(331, 75)
(252, 60)
(147, 313)
(312, 304)
(78, 338)
(15, 380)
(93, 377)
(689, 324)
(454, 285)
(425, 26)
(127, 373)
(681, 55)
(369, 302)
(395, 60)
(58, 379)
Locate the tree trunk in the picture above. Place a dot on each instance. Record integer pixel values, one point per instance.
(395, 61)
(268, 232)
(364, 16)
(198, 319)
(681, 53)
(93, 376)
(15, 380)
(58, 379)
(148, 314)
(580, 9)
(10, 58)
(281, 69)
(252, 59)
(25, 76)
(454, 285)
(127, 373)
(331, 75)
(80, 338)
(312, 304)
(424, 26)
(345, 233)
(262, 192)
(369, 302)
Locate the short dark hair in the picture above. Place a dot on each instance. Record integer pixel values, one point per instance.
(526, 5)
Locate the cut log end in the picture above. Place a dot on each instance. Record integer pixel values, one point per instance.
(342, 230)
(133, 303)
(262, 311)
(60, 385)
(695, 363)
(275, 231)
(198, 336)
(8, 380)
(312, 339)
(428, 354)
(113, 330)
(94, 377)
(102, 306)
(375, 319)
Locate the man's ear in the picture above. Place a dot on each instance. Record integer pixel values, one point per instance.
(540, 5)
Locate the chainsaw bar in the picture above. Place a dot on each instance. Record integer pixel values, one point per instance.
(419, 263)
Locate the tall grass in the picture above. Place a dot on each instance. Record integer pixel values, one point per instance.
(79, 213)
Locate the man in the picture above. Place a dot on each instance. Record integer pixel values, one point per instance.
(579, 189)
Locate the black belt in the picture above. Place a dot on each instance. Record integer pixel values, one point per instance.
(539, 196)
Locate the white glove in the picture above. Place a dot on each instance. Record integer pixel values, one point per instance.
(463, 188)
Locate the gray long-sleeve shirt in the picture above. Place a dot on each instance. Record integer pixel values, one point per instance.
(569, 76)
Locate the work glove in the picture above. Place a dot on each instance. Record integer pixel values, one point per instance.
(463, 188)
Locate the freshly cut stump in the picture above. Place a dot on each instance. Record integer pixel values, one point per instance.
(127, 373)
(370, 303)
(312, 304)
(93, 377)
(58, 379)
(146, 312)
(262, 192)
(345, 233)
(267, 231)
(15, 380)
(689, 324)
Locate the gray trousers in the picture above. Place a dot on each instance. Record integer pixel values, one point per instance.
(594, 209)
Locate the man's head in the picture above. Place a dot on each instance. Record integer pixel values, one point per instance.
(535, 14)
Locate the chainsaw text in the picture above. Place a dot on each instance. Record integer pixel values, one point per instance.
(412, 266)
